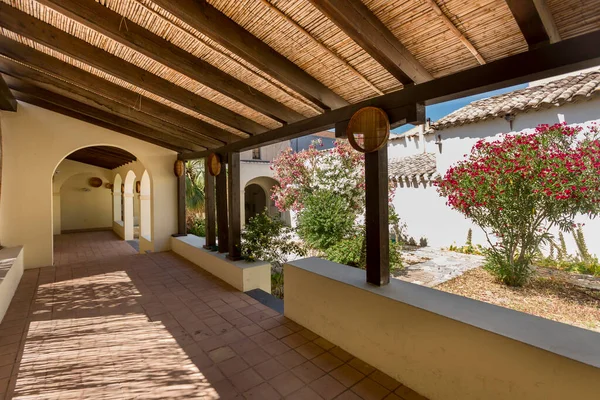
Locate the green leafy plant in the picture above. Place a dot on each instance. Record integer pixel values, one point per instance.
(325, 220)
(584, 254)
(352, 252)
(423, 242)
(196, 225)
(518, 188)
(469, 237)
(268, 239)
(277, 284)
(562, 250)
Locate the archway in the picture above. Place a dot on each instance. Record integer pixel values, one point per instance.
(145, 208)
(255, 201)
(257, 198)
(128, 205)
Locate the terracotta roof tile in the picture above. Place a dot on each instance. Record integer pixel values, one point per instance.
(413, 166)
(581, 87)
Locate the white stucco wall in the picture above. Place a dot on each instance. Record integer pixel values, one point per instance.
(267, 153)
(426, 214)
(35, 141)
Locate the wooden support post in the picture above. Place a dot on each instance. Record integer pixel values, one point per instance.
(209, 208)
(235, 226)
(222, 225)
(181, 220)
(376, 217)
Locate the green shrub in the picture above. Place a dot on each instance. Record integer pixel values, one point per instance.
(277, 284)
(326, 219)
(268, 239)
(348, 251)
(423, 242)
(196, 226)
(352, 252)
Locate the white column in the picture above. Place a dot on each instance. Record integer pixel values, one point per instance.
(128, 216)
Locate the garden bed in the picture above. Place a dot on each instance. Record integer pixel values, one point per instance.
(551, 294)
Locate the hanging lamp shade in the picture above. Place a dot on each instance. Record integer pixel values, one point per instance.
(95, 182)
(214, 164)
(368, 129)
(179, 168)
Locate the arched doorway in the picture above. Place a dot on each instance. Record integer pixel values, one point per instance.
(255, 201)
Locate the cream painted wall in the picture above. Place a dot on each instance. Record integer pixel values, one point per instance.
(35, 141)
(66, 170)
(439, 357)
(84, 209)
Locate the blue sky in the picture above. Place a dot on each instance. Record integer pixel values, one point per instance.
(440, 110)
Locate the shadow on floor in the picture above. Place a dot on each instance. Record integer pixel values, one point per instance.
(156, 327)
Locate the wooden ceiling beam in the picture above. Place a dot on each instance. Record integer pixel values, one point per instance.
(78, 77)
(7, 100)
(548, 20)
(144, 132)
(25, 25)
(207, 19)
(99, 153)
(444, 18)
(529, 22)
(137, 132)
(27, 80)
(575, 54)
(102, 19)
(361, 25)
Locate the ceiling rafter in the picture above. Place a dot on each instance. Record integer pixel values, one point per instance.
(102, 156)
(529, 22)
(231, 57)
(361, 25)
(105, 21)
(322, 45)
(207, 19)
(547, 20)
(85, 80)
(7, 100)
(25, 25)
(454, 29)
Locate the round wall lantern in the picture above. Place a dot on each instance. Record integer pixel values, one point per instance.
(95, 182)
(214, 164)
(109, 186)
(179, 168)
(368, 129)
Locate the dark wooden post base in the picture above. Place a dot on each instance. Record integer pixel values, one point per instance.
(222, 223)
(235, 225)
(376, 218)
(209, 208)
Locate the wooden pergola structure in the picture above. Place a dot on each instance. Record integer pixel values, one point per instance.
(220, 76)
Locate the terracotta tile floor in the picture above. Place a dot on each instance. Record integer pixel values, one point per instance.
(114, 325)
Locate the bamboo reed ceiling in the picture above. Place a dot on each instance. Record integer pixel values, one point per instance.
(434, 32)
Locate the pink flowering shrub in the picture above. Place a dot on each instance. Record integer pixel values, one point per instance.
(518, 188)
(339, 170)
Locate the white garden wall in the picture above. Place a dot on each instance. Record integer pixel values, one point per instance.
(426, 213)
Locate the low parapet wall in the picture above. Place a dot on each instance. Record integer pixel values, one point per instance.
(442, 345)
(242, 275)
(11, 271)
